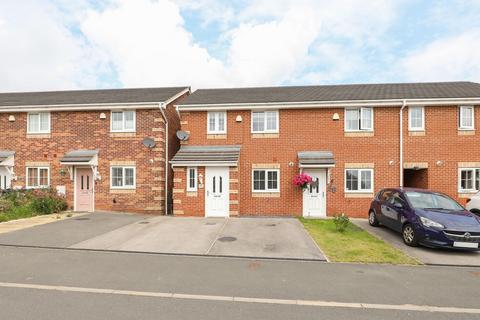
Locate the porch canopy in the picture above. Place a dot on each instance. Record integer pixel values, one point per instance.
(316, 159)
(80, 157)
(224, 155)
(7, 158)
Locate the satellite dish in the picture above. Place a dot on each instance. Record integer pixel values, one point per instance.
(183, 135)
(149, 143)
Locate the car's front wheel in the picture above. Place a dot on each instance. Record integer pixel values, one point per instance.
(372, 219)
(409, 235)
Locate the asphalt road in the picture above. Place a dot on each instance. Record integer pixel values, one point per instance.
(52, 284)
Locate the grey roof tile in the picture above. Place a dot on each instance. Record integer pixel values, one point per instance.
(207, 154)
(315, 157)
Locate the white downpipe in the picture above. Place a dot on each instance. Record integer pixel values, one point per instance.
(404, 104)
(166, 157)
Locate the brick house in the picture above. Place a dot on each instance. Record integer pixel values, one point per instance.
(104, 149)
(243, 147)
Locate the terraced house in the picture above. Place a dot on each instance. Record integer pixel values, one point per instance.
(242, 148)
(102, 149)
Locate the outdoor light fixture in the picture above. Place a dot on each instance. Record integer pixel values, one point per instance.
(239, 118)
(291, 164)
(335, 117)
(11, 118)
(391, 162)
(439, 163)
(103, 115)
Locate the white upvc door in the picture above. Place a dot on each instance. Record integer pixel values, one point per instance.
(5, 179)
(315, 196)
(217, 193)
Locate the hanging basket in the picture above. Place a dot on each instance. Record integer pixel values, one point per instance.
(302, 180)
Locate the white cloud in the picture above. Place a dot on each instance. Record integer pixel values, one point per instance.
(446, 59)
(37, 51)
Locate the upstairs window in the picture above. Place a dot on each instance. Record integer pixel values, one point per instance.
(416, 118)
(217, 122)
(265, 121)
(359, 119)
(123, 121)
(466, 118)
(38, 122)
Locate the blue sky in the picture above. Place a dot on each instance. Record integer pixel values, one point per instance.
(63, 44)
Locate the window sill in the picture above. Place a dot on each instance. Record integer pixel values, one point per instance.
(359, 134)
(216, 136)
(466, 194)
(38, 136)
(133, 190)
(266, 194)
(192, 194)
(122, 134)
(416, 133)
(359, 194)
(466, 132)
(265, 135)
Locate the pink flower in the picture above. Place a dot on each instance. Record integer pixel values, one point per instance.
(302, 180)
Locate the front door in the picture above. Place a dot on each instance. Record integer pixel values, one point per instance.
(5, 179)
(217, 197)
(314, 196)
(84, 189)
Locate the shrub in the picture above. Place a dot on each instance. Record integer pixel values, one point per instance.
(47, 201)
(341, 222)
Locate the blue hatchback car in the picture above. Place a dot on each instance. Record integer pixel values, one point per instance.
(426, 217)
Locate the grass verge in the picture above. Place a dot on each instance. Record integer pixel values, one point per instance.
(353, 245)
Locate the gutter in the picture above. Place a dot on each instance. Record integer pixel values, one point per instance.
(162, 107)
(404, 104)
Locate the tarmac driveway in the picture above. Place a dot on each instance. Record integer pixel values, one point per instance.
(425, 255)
(282, 238)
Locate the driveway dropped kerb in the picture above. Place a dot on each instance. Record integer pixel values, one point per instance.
(279, 238)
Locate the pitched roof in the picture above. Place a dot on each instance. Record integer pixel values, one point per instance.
(5, 154)
(79, 156)
(315, 158)
(212, 154)
(106, 96)
(433, 90)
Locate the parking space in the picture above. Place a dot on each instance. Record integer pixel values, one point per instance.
(425, 255)
(283, 238)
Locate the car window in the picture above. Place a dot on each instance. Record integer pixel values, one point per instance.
(425, 200)
(385, 195)
(395, 198)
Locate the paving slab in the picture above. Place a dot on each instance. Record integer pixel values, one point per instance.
(266, 237)
(423, 254)
(160, 234)
(67, 232)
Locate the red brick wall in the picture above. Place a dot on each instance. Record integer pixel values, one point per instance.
(85, 130)
(314, 129)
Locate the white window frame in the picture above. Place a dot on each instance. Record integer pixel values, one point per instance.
(410, 118)
(40, 131)
(474, 177)
(216, 115)
(38, 177)
(360, 113)
(266, 180)
(462, 127)
(359, 180)
(123, 129)
(123, 186)
(195, 187)
(265, 130)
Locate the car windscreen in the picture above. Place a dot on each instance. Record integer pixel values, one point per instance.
(424, 200)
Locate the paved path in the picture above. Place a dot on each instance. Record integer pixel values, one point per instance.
(58, 284)
(282, 238)
(425, 255)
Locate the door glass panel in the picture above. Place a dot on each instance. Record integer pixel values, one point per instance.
(88, 182)
(81, 182)
(220, 184)
(213, 184)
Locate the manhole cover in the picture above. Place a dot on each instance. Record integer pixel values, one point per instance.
(82, 219)
(271, 225)
(210, 223)
(144, 222)
(270, 247)
(227, 239)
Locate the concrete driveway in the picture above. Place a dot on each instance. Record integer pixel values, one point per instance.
(425, 255)
(282, 238)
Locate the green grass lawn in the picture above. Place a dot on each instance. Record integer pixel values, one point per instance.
(353, 245)
(17, 212)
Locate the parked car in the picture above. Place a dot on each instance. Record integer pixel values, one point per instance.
(473, 204)
(426, 217)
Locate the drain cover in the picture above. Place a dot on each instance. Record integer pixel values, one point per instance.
(144, 222)
(82, 219)
(210, 223)
(271, 225)
(227, 239)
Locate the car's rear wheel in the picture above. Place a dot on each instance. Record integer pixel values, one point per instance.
(409, 235)
(372, 219)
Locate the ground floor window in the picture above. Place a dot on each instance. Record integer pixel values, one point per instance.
(122, 177)
(38, 177)
(192, 179)
(469, 179)
(359, 180)
(265, 180)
